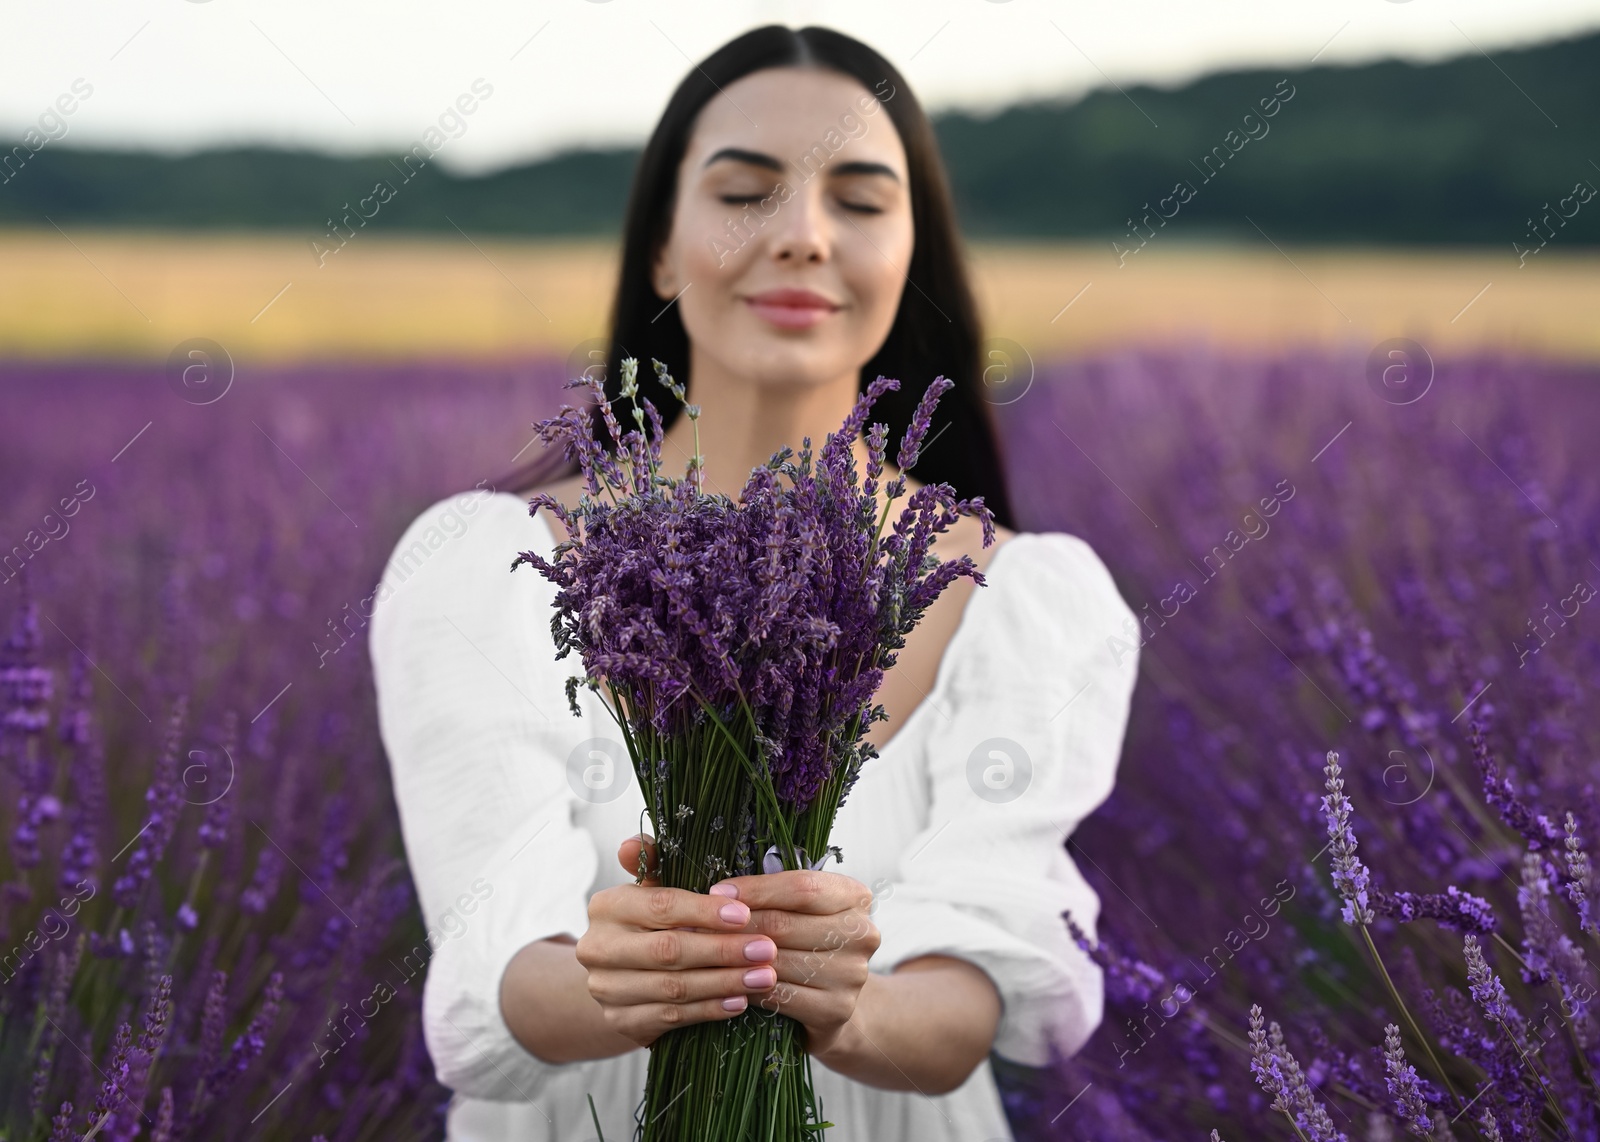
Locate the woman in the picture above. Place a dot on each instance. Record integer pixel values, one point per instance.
(789, 236)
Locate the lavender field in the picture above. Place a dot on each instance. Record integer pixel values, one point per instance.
(206, 926)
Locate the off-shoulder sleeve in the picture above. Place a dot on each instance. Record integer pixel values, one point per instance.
(1036, 706)
(476, 727)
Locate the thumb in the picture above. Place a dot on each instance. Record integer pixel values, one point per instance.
(630, 853)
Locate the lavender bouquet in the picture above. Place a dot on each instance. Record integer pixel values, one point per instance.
(741, 644)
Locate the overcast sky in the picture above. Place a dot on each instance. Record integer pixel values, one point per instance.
(360, 75)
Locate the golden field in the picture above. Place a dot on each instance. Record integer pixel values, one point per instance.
(136, 294)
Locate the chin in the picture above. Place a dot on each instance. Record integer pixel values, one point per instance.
(784, 362)
(788, 373)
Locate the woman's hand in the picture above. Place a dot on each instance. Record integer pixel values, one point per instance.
(821, 923)
(660, 958)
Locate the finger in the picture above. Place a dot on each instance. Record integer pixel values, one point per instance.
(822, 970)
(799, 890)
(677, 949)
(637, 988)
(649, 1021)
(628, 857)
(652, 908)
(808, 1005)
(807, 932)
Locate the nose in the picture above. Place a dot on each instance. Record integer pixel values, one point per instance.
(802, 236)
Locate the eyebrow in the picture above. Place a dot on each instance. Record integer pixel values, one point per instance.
(739, 155)
(761, 159)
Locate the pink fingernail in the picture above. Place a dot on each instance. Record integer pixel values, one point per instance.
(759, 950)
(735, 913)
(760, 977)
(735, 1003)
(724, 890)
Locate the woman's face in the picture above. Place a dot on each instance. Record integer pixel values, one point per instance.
(792, 233)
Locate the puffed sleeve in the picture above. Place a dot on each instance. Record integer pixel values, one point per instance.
(476, 727)
(1036, 706)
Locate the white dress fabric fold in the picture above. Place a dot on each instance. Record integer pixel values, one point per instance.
(512, 809)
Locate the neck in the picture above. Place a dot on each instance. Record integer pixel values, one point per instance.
(742, 424)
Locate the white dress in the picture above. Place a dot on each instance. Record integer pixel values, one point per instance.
(512, 810)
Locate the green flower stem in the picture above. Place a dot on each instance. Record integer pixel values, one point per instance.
(1406, 1011)
(746, 1079)
(1295, 1126)
(1583, 1061)
(1544, 1081)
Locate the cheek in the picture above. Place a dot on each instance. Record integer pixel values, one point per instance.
(711, 262)
(876, 270)
(710, 254)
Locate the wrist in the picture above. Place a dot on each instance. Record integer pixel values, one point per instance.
(852, 1046)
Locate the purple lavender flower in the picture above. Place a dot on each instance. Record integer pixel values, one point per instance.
(218, 805)
(126, 1118)
(1264, 1063)
(1550, 954)
(80, 857)
(333, 858)
(1127, 980)
(1579, 884)
(25, 686)
(1498, 790)
(1350, 876)
(113, 1091)
(163, 800)
(1405, 1089)
(263, 887)
(61, 1125)
(921, 421)
(1309, 1112)
(1452, 908)
(247, 1047)
(213, 1019)
(1279, 1074)
(1489, 992)
(25, 692)
(1506, 1057)
(779, 603)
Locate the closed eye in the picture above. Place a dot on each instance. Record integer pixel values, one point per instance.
(748, 199)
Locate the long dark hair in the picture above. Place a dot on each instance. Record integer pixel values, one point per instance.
(936, 330)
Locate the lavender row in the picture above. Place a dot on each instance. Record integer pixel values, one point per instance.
(1316, 567)
(1346, 873)
(206, 924)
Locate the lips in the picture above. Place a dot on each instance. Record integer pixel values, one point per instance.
(791, 308)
